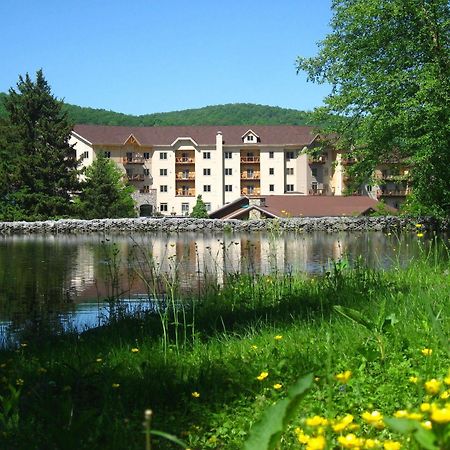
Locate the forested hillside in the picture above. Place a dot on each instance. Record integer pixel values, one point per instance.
(231, 114)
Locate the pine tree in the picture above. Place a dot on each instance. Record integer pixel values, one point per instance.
(46, 165)
(199, 211)
(104, 193)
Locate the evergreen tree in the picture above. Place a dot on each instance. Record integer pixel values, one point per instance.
(199, 211)
(104, 194)
(45, 166)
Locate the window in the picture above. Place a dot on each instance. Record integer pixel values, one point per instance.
(228, 171)
(271, 154)
(290, 155)
(163, 155)
(250, 190)
(289, 188)
(107, 154)
(250, 137)
(129, 156)
(163, 207)
(228, 155)
(146, 172)
(206, 188)
(163, 188)
(163, 172)
(271, 171)
(85, 155)
(314, 172)
(206, 171)
(290, 171)
(369, 188)
(206, 155)
(250, 173)
(185, 209)
(146, 155)
(228, 188)
(271, 187)
(208, 206)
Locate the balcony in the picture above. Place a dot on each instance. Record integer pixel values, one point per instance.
(250, 159)
(250, 192)
(184, 176)
(348, 161)
(184, 160)
(185, 193)
(317, 159)
(250, 176)
(136, 177)
(133, 160)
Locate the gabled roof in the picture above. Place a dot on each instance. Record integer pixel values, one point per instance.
(291, 205)
(131, 140)
(283, 135)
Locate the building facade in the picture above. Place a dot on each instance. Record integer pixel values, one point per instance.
(171, 166)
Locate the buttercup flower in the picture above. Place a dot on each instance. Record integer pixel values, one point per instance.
(413, 379)
(419, 235)
(134, 350)
(427, 351)
(195, 394)
(316, 443)
(342, 424)
(316, 421)
(392, 445)
(277, 386)
(262, 376)
(115, 385)
(441, 415)
(371, 443)
(432, 386)
(278, 337)
(374, 418)
(343, 377)
(350, 441)
(419, 225)
(427, 425)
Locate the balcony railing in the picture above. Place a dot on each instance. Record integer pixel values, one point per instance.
(392, 193)
(249, 159)
(250, 192)
(185, 160)
(183, 176)
(133, 160)
(185, 193)
(136, 177)
(250, 176)
(317, 192)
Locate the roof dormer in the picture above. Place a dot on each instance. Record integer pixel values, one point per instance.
(250, 137)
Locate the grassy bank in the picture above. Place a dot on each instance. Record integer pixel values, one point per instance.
(210, 369)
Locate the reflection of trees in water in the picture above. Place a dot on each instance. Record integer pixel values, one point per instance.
(35, 282)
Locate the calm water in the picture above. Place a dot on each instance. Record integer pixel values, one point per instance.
(67, 278)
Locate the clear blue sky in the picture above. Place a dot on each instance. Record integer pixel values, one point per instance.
(144, 56)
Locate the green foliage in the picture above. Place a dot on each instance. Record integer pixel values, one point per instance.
(266, 434)
(199, 211)
(42, 169)
(389, 65)
(104, 194)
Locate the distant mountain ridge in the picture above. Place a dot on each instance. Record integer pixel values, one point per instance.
(229, 114)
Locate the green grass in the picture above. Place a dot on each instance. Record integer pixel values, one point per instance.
(91, 391)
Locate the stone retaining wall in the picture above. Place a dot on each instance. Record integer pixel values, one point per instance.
(306, 224)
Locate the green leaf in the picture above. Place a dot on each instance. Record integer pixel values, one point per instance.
(169, 437)
(403, 426)
(425, 438)
(355, 316)
(266, 434)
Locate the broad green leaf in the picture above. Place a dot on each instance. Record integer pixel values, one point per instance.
(169, 437)
(403, 426)
(425, 438)
(355, 316)
(266, 434)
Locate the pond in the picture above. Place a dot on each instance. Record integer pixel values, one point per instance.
(66, 281)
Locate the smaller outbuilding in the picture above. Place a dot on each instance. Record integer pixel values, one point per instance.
(291, 205)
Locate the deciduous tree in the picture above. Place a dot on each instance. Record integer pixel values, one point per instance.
(389, 66)
(199, 211)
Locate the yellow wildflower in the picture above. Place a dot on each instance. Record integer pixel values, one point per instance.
(432, 386)
(374, 418)
(427, 351)
(343, 377)
(413, 379)
(371, 443)
(278, 337)
(427, 425)
(342, 424)
(441, 415)
(19, 382)
(414, 416)
(419, 225)
(301, 436)
(424, 407)
(447, 380)
(401, 414)
(419, 235)
(99, 360)
(445, 395)
(115, 385)
(392, 445)
(262, 376)
(316, 421)
(254, 347)
(350, 441)
(195, 394)
(134, 350)
(24, 344)
(316, 443)
(277, 386)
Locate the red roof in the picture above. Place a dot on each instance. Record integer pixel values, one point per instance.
(203, 135)
(291, 205)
